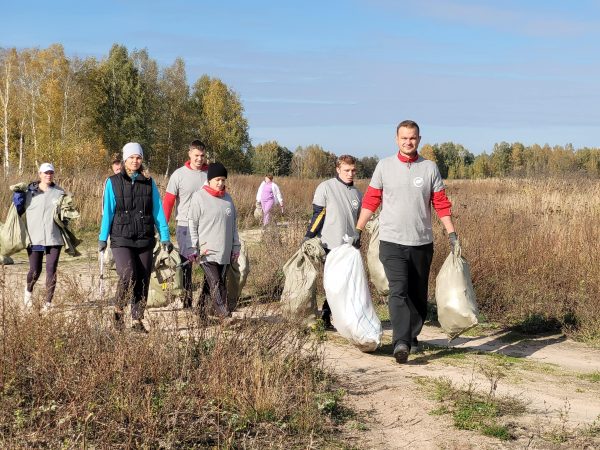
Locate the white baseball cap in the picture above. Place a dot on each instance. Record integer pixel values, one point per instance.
(46, 167)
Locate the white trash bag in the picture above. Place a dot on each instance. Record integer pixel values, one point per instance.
(455, 296)
(347, 290)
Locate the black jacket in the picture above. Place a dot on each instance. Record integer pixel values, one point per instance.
(133, 223)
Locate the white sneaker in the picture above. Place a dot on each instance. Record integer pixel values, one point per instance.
(47, 307)
(27, 301)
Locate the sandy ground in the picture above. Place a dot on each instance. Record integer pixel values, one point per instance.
(555, 377)
(545, 373)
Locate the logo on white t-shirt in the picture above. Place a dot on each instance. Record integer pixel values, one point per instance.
(354, 203)
(228, 212)
(418, 182)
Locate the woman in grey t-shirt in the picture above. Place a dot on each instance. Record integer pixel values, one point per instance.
(38, 203)
(214, 234)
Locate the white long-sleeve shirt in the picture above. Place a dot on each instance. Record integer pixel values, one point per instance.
(276, 192)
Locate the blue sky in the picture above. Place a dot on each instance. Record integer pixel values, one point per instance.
(342, 74)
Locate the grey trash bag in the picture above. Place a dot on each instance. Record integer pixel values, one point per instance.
(166, 279)
(376, 270)
(455, 296)
(6, 260)
(237, 274)
(299, 296)
(13, 235)
(258, 212)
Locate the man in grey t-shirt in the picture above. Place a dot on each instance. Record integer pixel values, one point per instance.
(182, 184)
(336, 205)
(406, 185)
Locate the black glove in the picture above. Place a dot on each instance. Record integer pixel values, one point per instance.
(356, 241)
(167, 246)
(101, 246)
(453, 238)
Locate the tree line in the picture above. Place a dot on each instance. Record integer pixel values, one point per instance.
(516, 159)
(78, 112)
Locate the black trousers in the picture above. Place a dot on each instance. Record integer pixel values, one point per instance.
(35, 269)
(407, 270)
(215, 288)
(134, 266)
(326, 310)
(187, 282)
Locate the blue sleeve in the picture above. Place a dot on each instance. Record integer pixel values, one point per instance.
(108, 211)
(317, 221)
(159, 215)
(19, 202)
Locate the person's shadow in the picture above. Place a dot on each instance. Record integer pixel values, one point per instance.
(508, 342)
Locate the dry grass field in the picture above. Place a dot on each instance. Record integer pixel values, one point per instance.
(533, 246)
(69, 380)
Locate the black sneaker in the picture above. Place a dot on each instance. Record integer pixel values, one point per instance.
(401, 353)
(118, 319)
(414, 347)
(327, 323)
(187, 302)
(138, 327)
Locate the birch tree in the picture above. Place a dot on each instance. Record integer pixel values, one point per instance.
(174, 130)
(8, 61)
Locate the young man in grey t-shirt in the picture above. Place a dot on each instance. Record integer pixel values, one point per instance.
(182, 184)
(406, 185)
(336, 205)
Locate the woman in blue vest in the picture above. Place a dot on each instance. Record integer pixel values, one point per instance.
(131, 210)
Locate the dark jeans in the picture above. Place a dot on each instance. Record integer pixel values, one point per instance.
(35, 269)
(134, 266)
(184, 243)
(407, 270)
(215, 288)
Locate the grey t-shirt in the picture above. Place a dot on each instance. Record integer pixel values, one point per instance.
(182, 184)
(342, 205)
(406, 204)
(39, 211)
(213, 224)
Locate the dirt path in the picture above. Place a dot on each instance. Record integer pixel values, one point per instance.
(557, 380)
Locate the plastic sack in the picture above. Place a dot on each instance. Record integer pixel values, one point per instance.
(237, 274)
(258, 212)
(376, 270)
(454, 295)
(347, 290)
(299, 296)
(166, 279)
(13, 235)
(107, 256)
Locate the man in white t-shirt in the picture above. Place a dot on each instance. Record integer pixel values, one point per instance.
(182, 184)
(336, 205)
(406, 186)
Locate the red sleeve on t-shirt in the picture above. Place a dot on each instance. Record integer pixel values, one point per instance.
(372, 199)
(441, 203)
(168, 203)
